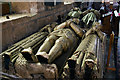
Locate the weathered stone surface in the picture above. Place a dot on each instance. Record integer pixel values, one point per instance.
(25, 69)
(14, 30)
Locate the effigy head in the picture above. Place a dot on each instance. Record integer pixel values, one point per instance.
(96, 26)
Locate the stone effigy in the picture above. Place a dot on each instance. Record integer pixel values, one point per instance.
(57, 42)
(32, 41)
(16, 53)
(87, 61)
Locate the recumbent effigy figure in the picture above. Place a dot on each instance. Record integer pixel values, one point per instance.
(55, 44)
(58, 42)
(87, 61)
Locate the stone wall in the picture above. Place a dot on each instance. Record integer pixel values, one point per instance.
(24, 7)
